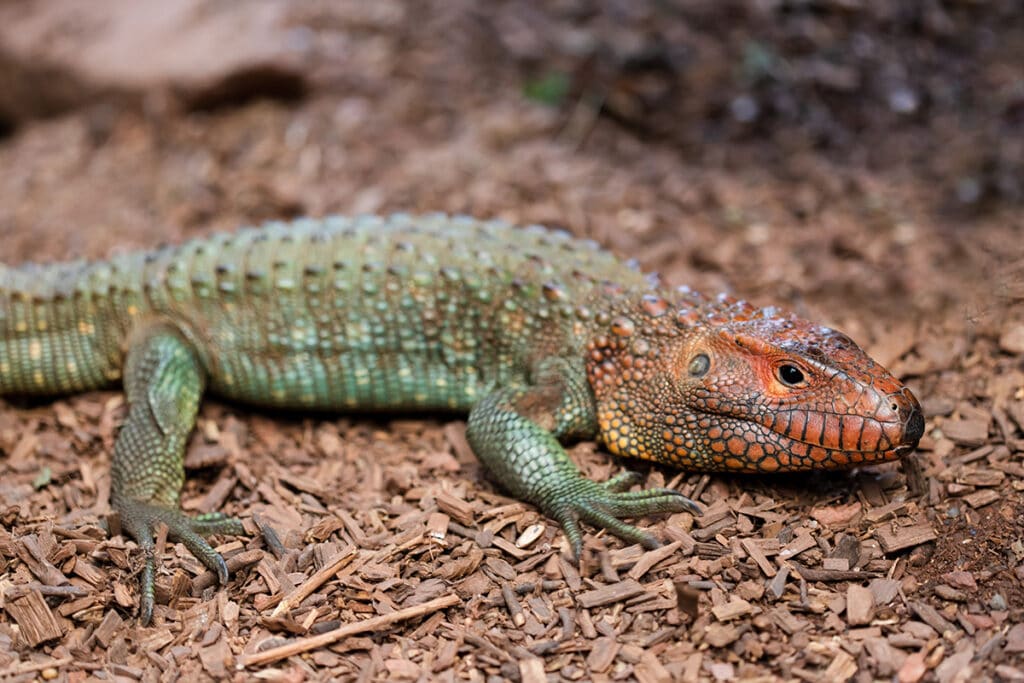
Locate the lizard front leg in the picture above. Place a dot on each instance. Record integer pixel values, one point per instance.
(515, 432)
(163, 383)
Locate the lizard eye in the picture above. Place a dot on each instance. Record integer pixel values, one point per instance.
(790, 375)
(700, 365)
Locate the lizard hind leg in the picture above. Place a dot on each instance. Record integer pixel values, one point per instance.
(163, 383)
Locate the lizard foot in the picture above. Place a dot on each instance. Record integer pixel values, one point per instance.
(138, 519)
(602, 505)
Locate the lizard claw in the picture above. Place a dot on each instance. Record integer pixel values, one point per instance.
(602, 505)
(138, 519)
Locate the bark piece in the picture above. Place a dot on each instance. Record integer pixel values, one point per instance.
(904, 537)
(36, 621)
(605, 595)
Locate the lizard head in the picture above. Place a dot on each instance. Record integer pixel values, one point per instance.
(719, 385)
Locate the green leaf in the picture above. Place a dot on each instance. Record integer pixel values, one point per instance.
(550, 89)
(42, 479)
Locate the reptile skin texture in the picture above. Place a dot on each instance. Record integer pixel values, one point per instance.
(541, 338)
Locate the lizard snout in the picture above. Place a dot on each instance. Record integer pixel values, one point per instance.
(909, 411)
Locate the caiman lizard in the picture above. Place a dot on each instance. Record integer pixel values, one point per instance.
(541, 338)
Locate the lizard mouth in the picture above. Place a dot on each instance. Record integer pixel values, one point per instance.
(836, 440)
(826, 446)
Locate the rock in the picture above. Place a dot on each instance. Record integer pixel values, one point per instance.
(62, 54)
(1012, 338)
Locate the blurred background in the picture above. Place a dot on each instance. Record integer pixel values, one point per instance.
(853, 129)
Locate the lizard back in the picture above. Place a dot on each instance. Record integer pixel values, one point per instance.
(364, 312)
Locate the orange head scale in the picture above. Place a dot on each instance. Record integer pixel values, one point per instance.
(720, 385)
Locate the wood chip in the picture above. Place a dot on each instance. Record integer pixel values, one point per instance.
(841, 669)
(969, 432)
(883, 591)
(602, 654)
(787, 621)
(875, 515)
(216, 659)
(837, 515)
(737, 607)
(531, 670)
(753, 549)
(801, 542)
(108, 627)
(687, 598)
(437, 525)
(515, 610)
(1015, 639)
(913, 668)
(892, 540)
(721, 635)
(860, 605)
(813, 574)
(650, 670)
(605, 595)
(457, 508)
(1012, 338)
(982, 498)
(931, 616)
(34, 618)
(777, 586)
(651, 558)
(981, 478)
(836, 564)
(31, 552)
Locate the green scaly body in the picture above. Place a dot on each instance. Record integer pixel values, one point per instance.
(369, 313)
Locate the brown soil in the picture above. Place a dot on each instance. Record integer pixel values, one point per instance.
(859, 162)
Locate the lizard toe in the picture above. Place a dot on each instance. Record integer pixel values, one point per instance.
(603, 506)
(623, 481)
(138, 519)
(651, 501)
(594, 514)
(216, 523)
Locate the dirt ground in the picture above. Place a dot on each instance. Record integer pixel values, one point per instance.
(858, 161)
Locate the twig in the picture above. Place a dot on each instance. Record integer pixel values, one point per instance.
(235, 562)
(302, 591)
(32, 667)
(372, 624)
